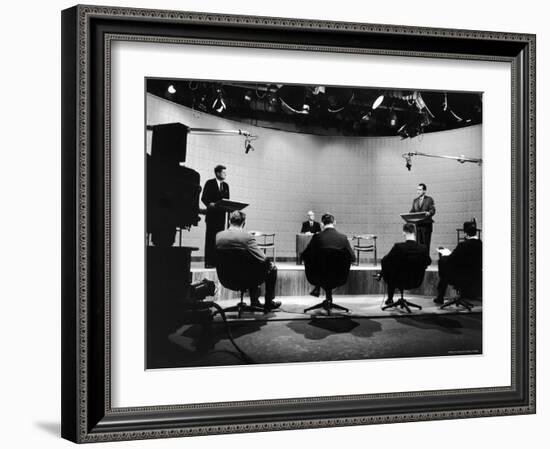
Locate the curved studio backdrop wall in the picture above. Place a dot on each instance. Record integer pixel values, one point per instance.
(361, 180)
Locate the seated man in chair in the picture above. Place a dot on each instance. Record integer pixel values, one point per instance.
(409, 251)
(310, 226)
(329, 238)
(462, 268)
(235, 237)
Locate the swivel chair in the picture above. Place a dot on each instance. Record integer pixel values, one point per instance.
(465, 275)
(407, 275)
(239, 271)
(466, 288)
(329, 269)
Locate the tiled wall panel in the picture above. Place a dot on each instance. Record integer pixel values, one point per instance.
(362, 181)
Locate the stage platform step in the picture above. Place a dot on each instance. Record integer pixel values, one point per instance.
(360, 306)
(291, 281)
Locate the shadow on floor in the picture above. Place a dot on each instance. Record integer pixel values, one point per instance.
(440, 323)
(53, 428)
(320, 328)
(196, 340)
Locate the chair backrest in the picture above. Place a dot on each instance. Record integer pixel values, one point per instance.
(238, 270)
(364, 237)
(263, 238)
(410, 270)
(365, 242)
(329, 268)
(467, 272)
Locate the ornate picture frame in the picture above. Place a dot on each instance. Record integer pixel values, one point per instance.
(87, 35)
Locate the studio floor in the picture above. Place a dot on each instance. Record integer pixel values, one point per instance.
(290, 335)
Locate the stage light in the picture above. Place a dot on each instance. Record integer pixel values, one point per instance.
(338, 99)
(377, 102)
(426, 119)
(219, 104)
(408, 161)
(202, 103)
(456, 117)
(393, 118)
(221, 107)
(318, 90)
(248, 146)
(305, 109)
(171, 89)
(248, 96)
(403, 132)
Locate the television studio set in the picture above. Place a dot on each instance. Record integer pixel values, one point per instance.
(291, 223)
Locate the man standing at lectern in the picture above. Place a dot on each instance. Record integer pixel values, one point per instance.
(424, 227)
(215, 189)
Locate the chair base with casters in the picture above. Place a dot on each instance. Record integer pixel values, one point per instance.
(242, 307)
(458, 301)
(327, 305)
(402, 303)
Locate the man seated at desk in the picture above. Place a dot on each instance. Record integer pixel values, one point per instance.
(410, 250)
(235, 237)
(462, 267)
(328, 238)
(310, 226)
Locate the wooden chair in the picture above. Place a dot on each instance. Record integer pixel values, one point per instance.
(265, 241)
(366, 243)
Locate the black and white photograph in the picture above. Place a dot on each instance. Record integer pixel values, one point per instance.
(317, 218)
(299, 223)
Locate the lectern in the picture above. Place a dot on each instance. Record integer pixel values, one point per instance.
(229, 206)
(414, 217)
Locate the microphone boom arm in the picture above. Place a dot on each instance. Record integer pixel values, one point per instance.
(462, 159)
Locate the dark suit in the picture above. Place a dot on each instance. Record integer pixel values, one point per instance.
(391, 262)
(240, 239)
(462, 268)
(215, 218)
(313, 228)
(424, 227)
(329, 238)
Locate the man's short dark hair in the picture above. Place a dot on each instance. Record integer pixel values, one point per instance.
(219, 168)
(421, 184)
(470, 228)
(327, 219)
(408, 228)
(237, 218)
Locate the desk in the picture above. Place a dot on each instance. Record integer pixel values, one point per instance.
(302, 240)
